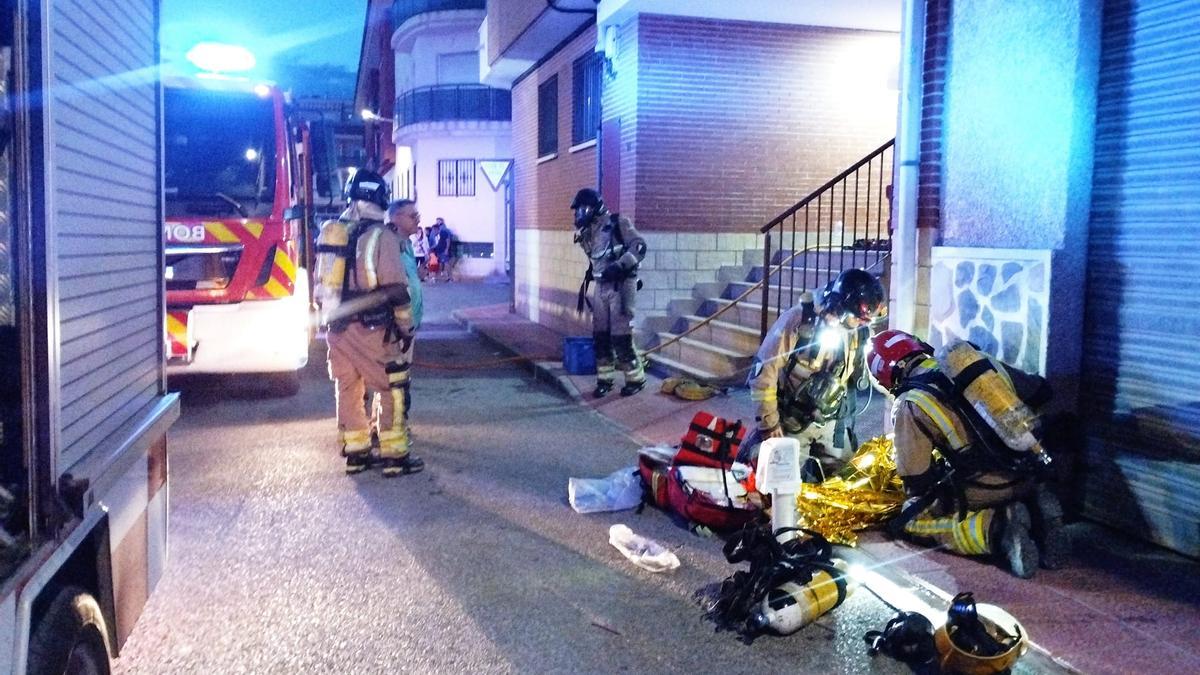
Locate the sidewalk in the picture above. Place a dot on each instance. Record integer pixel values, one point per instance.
(1120, 607)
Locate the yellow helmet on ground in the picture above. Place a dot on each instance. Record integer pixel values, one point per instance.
(978, 639)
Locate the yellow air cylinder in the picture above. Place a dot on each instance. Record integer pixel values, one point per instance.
(992, 396)
(331, 264)
(792, 606)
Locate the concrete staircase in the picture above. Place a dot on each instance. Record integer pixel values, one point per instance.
(722, 351)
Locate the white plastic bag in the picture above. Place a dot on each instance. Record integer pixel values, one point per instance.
(645, 553)
(618, 491)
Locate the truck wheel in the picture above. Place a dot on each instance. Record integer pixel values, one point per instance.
(71, 638)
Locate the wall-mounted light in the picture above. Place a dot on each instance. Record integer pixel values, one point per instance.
(610, 50)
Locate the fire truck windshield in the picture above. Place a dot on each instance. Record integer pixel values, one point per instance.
(220, 153)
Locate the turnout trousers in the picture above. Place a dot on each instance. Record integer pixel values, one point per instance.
(612, 331)
(360, 361)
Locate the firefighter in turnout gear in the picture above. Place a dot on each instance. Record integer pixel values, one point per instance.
(968, 489)
(805, 374)
(371, 330)
(614, 249)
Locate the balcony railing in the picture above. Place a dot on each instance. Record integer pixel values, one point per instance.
(453, 102)
(403, 10)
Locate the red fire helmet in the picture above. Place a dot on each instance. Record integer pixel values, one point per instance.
(889, 350)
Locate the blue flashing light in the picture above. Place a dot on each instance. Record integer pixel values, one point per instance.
(262, 90)
(216, 57)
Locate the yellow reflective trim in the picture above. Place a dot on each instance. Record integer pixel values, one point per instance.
(763, 395)
(221, 233)
(285, 264)
(275, 289)
(369, 261)
(969, 535)
(931, 407)
(175, 327)
(254, 229)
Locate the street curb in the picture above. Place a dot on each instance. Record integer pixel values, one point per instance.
(543, 371)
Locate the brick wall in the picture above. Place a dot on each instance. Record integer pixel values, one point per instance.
(549, 265)
(544, 188)
(736, 121)
(929, 182)
(723, 125)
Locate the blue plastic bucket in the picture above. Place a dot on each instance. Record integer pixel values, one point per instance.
(579, 356)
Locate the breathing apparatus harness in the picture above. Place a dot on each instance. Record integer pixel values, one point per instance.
(610, 253)
(960, 468)
(822, 396)
(772, 564)
(379, 315)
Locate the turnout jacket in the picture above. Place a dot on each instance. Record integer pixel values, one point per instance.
(611, 241)
(924, 423)
(384, 265)
(794, 381)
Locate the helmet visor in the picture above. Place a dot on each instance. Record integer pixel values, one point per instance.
(583, 215)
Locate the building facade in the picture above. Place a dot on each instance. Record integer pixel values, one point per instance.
(712, 119)
(1047, 209)
(449, 135)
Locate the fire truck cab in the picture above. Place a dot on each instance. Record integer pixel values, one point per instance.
(236, 192)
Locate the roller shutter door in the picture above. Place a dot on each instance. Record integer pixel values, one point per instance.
(1141, 393)
(103, 202)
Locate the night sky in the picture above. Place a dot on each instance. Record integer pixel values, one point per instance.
(308, 46)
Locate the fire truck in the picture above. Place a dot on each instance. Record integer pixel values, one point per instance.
(238, 191)
(84, 406)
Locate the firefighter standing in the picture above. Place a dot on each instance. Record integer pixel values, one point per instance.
(376, 299)
(615, 249)
(967, 490)
(804, 376)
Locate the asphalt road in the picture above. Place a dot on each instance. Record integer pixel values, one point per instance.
(281, 563)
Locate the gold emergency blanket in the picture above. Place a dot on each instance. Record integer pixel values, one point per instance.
(866, 492)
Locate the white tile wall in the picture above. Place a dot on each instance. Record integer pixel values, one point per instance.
(548, 260)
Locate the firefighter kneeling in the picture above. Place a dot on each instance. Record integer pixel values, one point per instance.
(370, 298)
(968, 453)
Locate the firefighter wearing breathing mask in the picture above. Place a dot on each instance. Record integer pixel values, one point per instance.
(371, 302)
(804, 376)
(614, 250)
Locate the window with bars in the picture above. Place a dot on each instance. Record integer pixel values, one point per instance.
(456, 178)
(548, 117)
(585, 107)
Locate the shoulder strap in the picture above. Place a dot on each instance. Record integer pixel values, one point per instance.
(350, 268)
(614, 219)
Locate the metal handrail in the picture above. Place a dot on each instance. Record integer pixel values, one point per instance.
(871, 243)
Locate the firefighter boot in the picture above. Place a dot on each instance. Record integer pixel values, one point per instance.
(1013, 540)
(632, 388)
(630, 363)
(398, 466)
(1048, 530)
(356, 448)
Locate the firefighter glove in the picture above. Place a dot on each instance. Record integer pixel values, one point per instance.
(612, 274)
(397, 334)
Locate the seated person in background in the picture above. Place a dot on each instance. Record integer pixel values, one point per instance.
(968, 489)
